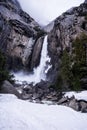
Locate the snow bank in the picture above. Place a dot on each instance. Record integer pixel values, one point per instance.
(16, 114)
(79, 96)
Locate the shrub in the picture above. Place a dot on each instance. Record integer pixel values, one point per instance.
(4, 74)
(72, 65)
(79, 60)
(65, 75)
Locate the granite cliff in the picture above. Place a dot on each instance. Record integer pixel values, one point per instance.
(67, 28)
(18, 34)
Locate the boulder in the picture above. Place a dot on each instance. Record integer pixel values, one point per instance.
(26, 96)
(83, 105)
(74, 104)
(8, 88)
(63, 100)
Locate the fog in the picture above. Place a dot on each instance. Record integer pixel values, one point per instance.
(44, 11)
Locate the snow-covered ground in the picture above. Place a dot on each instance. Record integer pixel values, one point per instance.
(17, 114)
(78, 96)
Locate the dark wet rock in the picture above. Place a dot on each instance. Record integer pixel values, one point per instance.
(74, 104)
(8, 88)
(37, 96)
(83, 106)
(26, 96)
(42, 84)
(41, 91)
(37, 52)
(63, 100)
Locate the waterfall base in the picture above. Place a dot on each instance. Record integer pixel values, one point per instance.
(40, 72)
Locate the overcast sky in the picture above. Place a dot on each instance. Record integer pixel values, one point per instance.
(44, 11)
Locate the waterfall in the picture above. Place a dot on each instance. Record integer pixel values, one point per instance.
(40, 72)
(42, 69)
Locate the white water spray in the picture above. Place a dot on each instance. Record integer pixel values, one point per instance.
(40, 72)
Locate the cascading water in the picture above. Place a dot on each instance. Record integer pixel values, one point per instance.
(40, 72)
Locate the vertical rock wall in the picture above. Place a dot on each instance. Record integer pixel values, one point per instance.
(18, 34)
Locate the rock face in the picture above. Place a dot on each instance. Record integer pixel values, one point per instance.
(36, 54)
(66, 28)
(18, 33)
(49, 27)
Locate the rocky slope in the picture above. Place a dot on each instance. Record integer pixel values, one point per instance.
(67, 27)
(18, 34)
